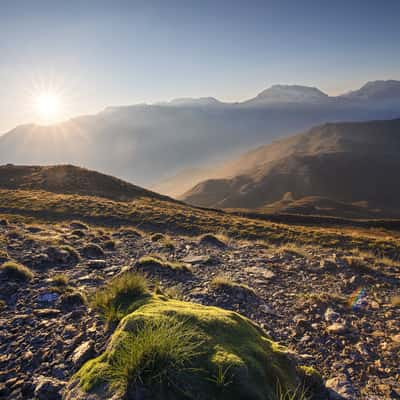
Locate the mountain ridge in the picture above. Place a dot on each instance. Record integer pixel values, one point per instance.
(70, 179)
(149, 144)
(345, 162)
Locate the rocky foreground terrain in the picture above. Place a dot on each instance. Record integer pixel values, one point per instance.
(339, 311)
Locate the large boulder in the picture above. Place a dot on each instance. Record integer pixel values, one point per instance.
(170, 349)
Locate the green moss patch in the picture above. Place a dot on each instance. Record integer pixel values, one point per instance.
(170, 349)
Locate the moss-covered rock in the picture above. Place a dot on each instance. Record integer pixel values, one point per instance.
(170, 349)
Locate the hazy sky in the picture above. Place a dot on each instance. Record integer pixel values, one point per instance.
(100, 53)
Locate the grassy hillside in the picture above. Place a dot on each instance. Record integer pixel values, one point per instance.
(316, 205)
(165, 216)
(69, 179)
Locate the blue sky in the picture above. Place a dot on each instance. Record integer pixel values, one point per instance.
(101, 53)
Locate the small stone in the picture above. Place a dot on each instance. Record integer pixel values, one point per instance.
(337, 328)
(48, 388)
(396, 338)
(93, 250)
(328, 264)
(83, 353)
(69, 301)
(48, 297)
(47, 313)
(262, 272)
(69, 332)
(267, 310)
(362, 349)
(330, 315)
(302, 326)
(60, 371)
(96, 264)
(374, 305)
(340, 388)
(200, 260)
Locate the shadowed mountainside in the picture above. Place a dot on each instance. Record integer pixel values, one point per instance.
(344, 162)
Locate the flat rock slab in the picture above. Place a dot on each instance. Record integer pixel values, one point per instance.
(48, 297)
(340, 388)
(197, 259)
(260, 272)
(337, 329)
(48, 388)
(83, 353)
(96, 264)
(47, 313)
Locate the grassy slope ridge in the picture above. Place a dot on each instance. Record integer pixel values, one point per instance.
(253, 365)
(348, 162)
(163, 216)
(69, 179)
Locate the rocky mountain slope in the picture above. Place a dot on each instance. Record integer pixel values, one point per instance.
(71, 290)
(352, 163)
(337, 309)
(148, 144)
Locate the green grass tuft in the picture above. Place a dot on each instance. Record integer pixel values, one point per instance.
(114, 300)
(156, 355)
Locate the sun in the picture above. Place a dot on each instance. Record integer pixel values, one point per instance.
(48, 106)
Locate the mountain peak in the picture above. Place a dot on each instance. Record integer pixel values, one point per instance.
(190, 101)
(380, 89)
(290, 94)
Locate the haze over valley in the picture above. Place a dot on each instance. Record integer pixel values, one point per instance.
(148, 144)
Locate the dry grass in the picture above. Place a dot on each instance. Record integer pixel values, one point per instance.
(174, 292)
(160, 215)
(60, 280)
(360, 264)
(14, 271)
(158, 262)
(321, 298)
(225, 283)
(293, 249)
(395, 301)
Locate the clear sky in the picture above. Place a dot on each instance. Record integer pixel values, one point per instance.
(96, 53)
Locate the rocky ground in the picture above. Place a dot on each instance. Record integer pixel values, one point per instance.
(337, 316)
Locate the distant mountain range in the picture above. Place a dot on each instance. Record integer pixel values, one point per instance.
(344, 169)
(150, 144)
